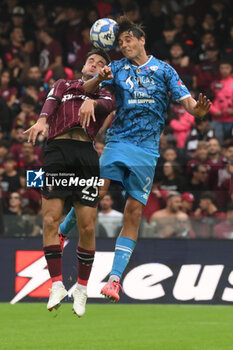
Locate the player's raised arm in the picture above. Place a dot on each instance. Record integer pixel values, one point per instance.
(197, 108)
(92, 85)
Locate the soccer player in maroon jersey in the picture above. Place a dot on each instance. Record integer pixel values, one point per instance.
(70, 150)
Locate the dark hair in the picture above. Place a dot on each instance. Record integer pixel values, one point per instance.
(48, 30)
(125, 25)
(208, 195)
(197, 166)
(8, 157)
(101, 53)
(29, 100)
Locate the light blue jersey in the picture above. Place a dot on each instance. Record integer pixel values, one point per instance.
(141, 100)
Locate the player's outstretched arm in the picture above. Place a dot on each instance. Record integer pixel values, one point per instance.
(197, 108)
(39, 127)
(92, 85)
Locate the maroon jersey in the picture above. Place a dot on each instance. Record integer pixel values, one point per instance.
(62, 105)
(7, 93)
(49, 54)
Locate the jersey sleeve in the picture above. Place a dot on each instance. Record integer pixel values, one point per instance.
(175, 85)
(109, 83)
(53, 99)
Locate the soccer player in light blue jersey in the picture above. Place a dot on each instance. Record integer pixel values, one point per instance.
(142, 85)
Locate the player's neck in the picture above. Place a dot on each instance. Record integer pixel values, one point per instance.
(140, 59)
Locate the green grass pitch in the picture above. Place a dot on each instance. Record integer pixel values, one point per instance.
(116, 327)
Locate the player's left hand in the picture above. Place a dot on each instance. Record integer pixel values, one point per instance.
(202, 107)
(86, 112)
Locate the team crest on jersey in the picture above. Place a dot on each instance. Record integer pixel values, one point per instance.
(154, 68)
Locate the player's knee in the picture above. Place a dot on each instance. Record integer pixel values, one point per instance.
(87, 230)
(133, 213)
(51, 222)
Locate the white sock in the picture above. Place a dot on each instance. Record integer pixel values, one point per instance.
(80, 286)
(58, 283)
(114, 278)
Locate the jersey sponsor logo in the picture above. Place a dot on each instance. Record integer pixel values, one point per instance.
(140, 101)
(72, 97)
(139, 80)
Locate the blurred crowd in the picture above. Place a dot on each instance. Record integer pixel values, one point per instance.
(43, 41)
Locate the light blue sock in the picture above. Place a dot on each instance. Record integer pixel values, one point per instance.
(123, 251)
(69, 222)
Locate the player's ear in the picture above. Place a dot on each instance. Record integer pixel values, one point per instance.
(142, 39)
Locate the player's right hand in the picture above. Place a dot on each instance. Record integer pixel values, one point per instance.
(105, 73)
(32, 133)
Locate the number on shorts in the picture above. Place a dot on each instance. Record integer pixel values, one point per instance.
(85, 191)
(148, 179)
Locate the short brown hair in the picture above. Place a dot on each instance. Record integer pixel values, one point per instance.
(100, 52)
(125, 25)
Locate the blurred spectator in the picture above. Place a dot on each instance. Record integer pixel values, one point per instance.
(8, 92)
(165, 221)
(51, 54)
(34, 85)
(209, 23)
(227, 51)
(199, 156)
(80, 48)
(109, 218)
(15, 56)
(207, 215)
(181, 124)
(27, 117)
(154, 22)
(202, 132)
(10, 177)
(161, 48)
(132, 11)
(187, 200)
(197, 184)
(156, 200)
(5, 118)
(170, 154)
(73, 28)
(199, 54)
(214, 153)
(3, 152)
(222, 102)
(172, 180)
(15, 204)
(18, 20)
(208, 206)
(224, 230)
(28, 159)
(207, 71)
(59, 73)
(30, 198)
(181, 63)
(18, 140)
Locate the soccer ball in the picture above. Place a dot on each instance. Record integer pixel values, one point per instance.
(103, 33)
